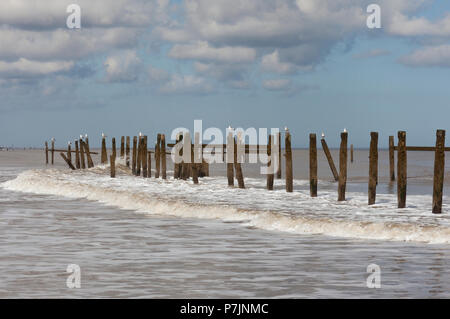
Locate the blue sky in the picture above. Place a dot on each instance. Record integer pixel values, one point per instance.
(153, 66)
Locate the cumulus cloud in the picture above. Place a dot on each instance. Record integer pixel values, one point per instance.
(123, 67)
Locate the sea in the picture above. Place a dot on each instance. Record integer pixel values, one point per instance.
(135, 237)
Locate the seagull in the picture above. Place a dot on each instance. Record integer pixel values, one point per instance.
(68, 143)
(81, 137)
(53, 139)
(286, 129)
(323, 135)
(103, 135)
(345, 130)
(85, 135)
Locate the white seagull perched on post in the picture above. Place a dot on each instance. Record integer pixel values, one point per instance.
(103, 135)
(68, 143)
(81, 137)
(85, 135)
(323, 135)
(286, 129)
(345, 130)
(140, 134)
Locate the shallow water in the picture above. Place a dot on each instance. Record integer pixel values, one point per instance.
(135, 237)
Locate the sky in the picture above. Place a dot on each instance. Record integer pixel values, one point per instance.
(153, 66)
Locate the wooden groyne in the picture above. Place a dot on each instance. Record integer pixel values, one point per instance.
(234, 152)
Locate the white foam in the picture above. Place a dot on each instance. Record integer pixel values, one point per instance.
(256, 207)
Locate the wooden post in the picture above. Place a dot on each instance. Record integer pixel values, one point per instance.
(351, 153)
(288, 155)
(313, 165)
(326, 150)
(127, 152)
(373, 167)
(149, 167)
(133, 160)
(122, 146)
(144, 157)
(67, 160)
(69, 152)
(46, 152)
(401, 170)
(77, 155)
(157, 156)
(113, 143)
(163, 157)
(139, 156)
(279, 155)
(237, 164)
(270, 174)
(83, 163)
(90, 162)
(230, 158)
(342, 167)
(53, 151)
(391, 159)
(439, 168)
(112, 161)
(104, 158)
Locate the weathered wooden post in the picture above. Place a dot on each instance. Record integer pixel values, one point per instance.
(104, 158)
(82, 147)
(90, 162)
(278, 136)
(288, 155)
(342, 167)
(77, 155)
(133, 160)
(113, 143)
(122, 146)
(313, 165)
(53, 150)
(144, 156)
(163, 157)
(439, 169)
(373, 167)
(326, 150)
(230, 157)
(157, 155)
(69, 152)
(238, 146)
(391, 159)
(67, 160)
(351, 153)
(112, 161)
(401, 169)
(46, 152)
(270, 172)
(127, 152)
(139, 155)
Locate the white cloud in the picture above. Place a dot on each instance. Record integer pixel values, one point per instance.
(27, 68)
(271, 63)
(123, 67)
(204, 52)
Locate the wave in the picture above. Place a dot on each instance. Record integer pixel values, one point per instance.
(253, 207)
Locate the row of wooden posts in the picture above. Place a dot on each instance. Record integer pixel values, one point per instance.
(141, 162)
